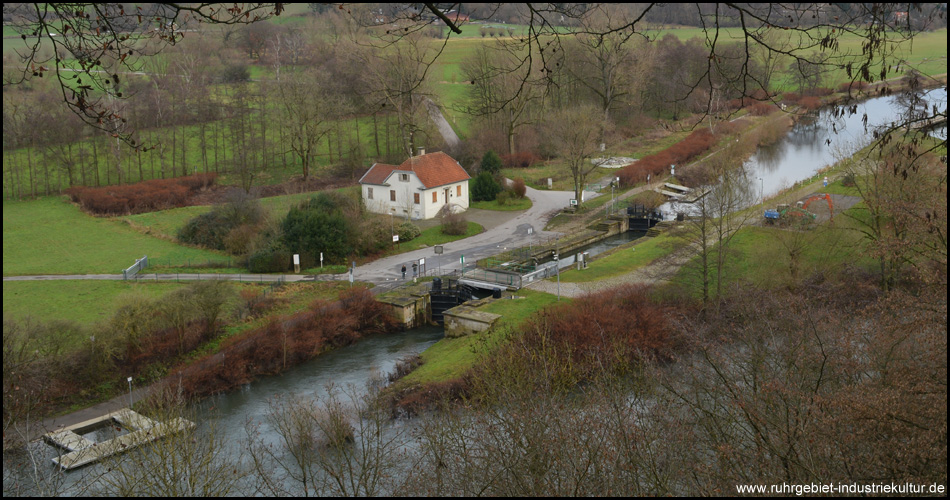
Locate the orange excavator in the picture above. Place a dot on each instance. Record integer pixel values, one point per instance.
(821, 196)
(785, 214)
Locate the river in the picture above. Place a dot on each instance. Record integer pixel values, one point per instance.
(817, 141)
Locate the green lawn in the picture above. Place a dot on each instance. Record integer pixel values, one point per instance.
(512, 206)
(622, 261)
(431, 237)
(83, 301)
(451, 358)
(167, 222)
(761, 255)
(51, 236)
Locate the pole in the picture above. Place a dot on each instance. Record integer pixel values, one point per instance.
(130, 392)
(557, 266)
(762, 191)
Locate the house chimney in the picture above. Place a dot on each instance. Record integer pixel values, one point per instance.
(421, 151)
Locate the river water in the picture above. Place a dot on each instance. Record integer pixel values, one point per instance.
(817, 141)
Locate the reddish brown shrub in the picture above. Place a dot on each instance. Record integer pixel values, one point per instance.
(761, 109)
(810, 103)
(619, 325)
(146, 196)
(791, 97)
(692, 146)
(820, 91)
(288, 341)
(519, 187)
(523, 159)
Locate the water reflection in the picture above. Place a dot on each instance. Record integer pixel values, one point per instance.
(817, 139)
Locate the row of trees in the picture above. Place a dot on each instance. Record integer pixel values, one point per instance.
(330, 101)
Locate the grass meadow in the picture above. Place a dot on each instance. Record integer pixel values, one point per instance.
(49, 235)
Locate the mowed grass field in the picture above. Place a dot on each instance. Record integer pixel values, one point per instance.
(82, 301)
(51, 236)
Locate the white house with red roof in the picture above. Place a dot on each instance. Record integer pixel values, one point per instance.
(418, 188)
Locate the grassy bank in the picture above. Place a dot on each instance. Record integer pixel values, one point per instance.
(51, 236)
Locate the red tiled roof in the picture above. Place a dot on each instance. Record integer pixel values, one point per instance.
(377, 174)
(433, 170)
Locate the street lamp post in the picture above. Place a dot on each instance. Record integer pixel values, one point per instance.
(762, 191)
(130, 392)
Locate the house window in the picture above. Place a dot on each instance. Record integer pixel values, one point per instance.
(404, 177)
(369, 193)
(415, 198)
(458, 190)
(392, 195)
(435, 196)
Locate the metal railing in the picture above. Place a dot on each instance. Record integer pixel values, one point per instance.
(134, 269)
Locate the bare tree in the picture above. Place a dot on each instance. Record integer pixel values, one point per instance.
(106, 40)
(309, 112)
(498, 90)
(573, 134)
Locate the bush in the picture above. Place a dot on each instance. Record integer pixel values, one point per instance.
(491, 163)
(266, 262)
(235, 73)
(809, 103)
(407, 231)
(503, 198)
(146, 196)
(208, 230)
(761, 109)
(692, 146)
(231, 226)
(523, 159)
(452, 223)
(519, 188)
(484, 187)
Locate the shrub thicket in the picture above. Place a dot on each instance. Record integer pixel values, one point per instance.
(286, 342)
(491, 163)
(229, 226)
(523, 159)
(692, 146)
(146, 196)
(519, 188)
(407, 231)
(453, 223)
(484, 187)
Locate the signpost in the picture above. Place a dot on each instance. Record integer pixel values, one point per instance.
(438, 251)
(297, 263)
(321, 260)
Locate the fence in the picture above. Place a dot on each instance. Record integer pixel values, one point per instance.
(134, 269)
(224, 262)
(491, 276)
(242, 278)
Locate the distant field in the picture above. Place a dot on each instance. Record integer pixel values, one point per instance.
(51, 236)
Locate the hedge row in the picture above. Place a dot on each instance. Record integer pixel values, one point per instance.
(286, 342)
(692, 146)
(524, 159)
(146, 196)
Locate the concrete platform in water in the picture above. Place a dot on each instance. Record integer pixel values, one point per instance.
(82, 451)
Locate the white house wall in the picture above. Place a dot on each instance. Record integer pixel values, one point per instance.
(432, 209)
(404, 204)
